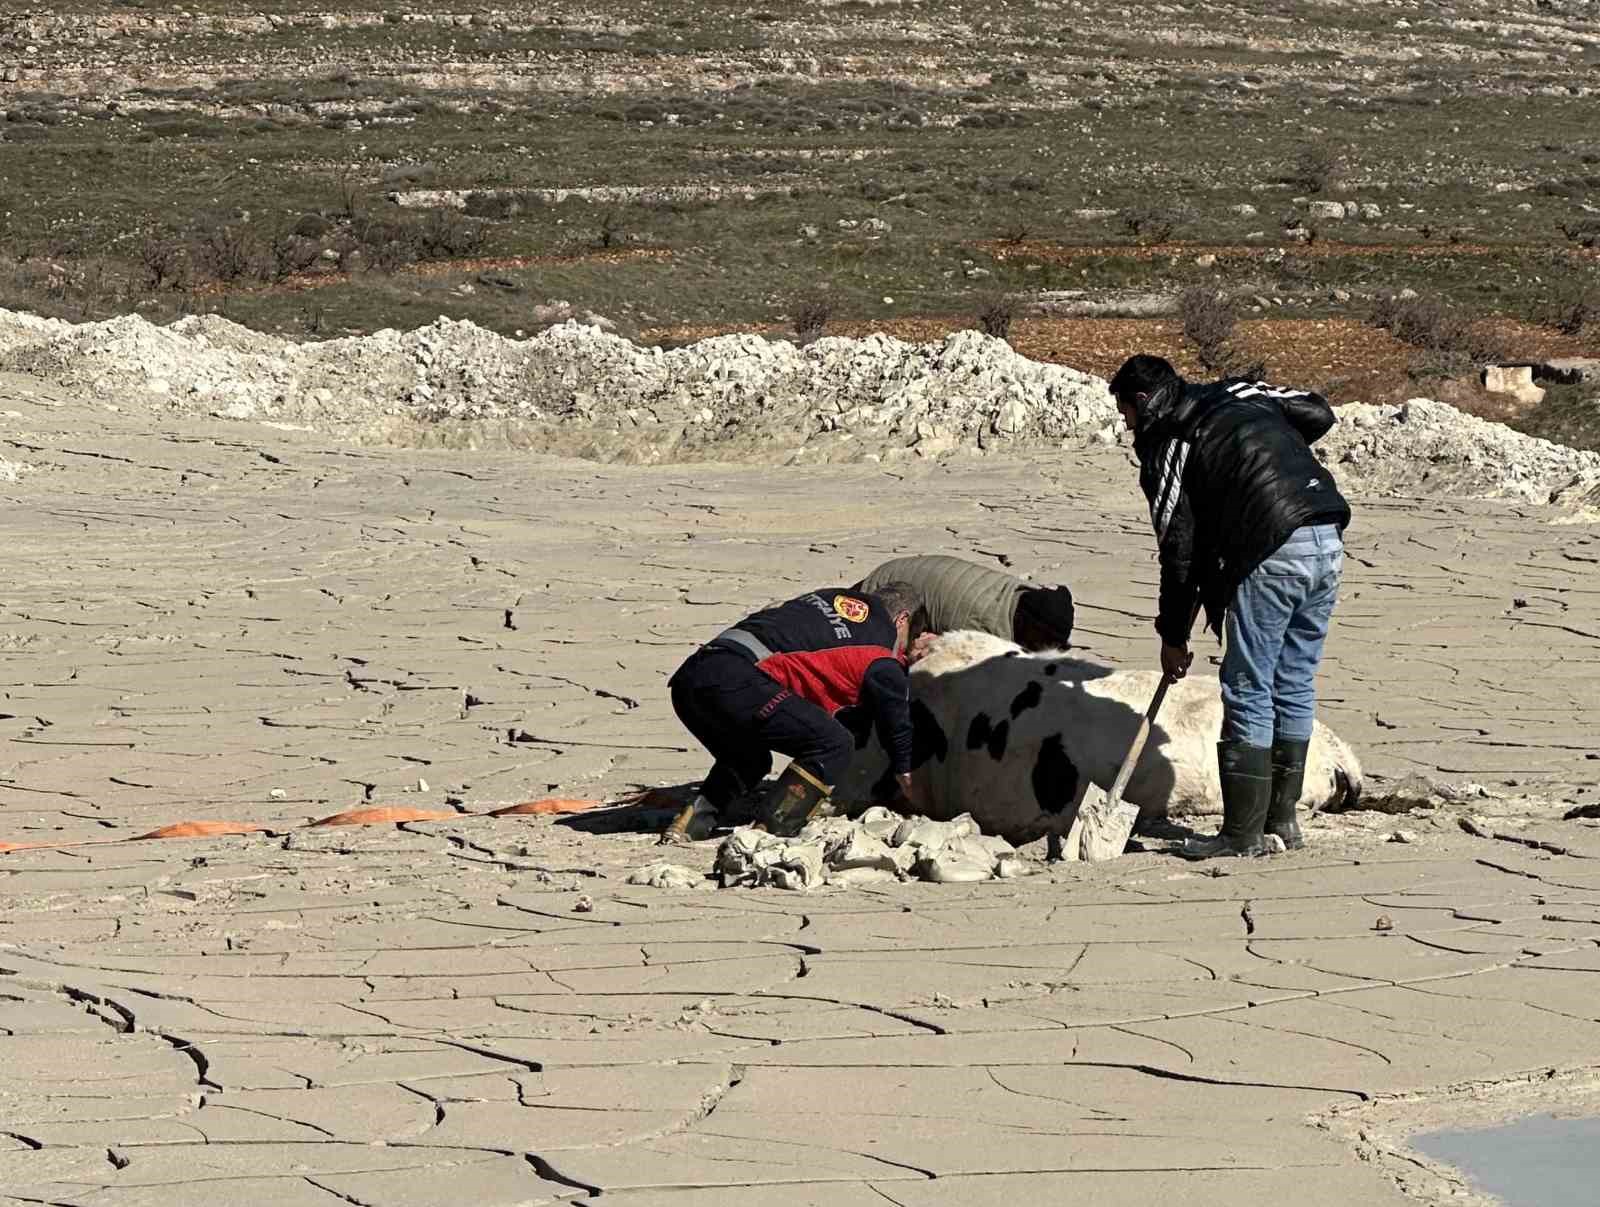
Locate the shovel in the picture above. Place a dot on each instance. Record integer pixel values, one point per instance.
(1105, 820)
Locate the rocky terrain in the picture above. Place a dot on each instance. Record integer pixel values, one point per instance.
(83, 46)
(341, 169)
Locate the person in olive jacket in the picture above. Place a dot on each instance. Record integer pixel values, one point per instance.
(964, 595)
(1249, 524)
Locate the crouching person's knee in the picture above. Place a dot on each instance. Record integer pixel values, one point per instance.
(829, 758)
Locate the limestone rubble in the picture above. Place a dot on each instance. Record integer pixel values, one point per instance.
(575, 389)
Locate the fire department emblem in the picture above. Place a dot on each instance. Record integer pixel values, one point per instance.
(850, 608)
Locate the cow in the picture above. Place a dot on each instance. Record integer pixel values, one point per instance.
(1016, 739)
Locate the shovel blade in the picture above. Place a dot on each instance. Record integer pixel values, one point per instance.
(1105, 825)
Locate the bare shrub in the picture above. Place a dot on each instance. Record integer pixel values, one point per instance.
(809, 314)
(1155, 223)
(1575, 305)
(993, 120)
(313, 226)
(1447, 342)
(387, 246)
(1146, 222)
(1319, 167)
(1296, 269)
(164, 260)
(228, 252)
(1419, 321)
(497, 206)
(347, 191)
(94, 284)
(1585, 234)
(447, 235)
(610, 232)
(1209, 318)
(82, 290)
(1015, 232)
(290, 253)
(995, 312)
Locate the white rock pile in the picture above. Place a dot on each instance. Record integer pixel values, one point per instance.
(1424, 447)
(575, 389)
(20, 330)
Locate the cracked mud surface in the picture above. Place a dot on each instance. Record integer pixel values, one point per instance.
(213, 622)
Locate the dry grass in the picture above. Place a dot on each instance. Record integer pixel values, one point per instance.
(740, 145)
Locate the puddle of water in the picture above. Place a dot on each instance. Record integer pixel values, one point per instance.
(1540, 1161)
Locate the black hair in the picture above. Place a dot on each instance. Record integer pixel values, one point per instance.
(1043, 620)
(1141, 375)
(900, 597)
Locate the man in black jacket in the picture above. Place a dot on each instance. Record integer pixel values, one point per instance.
(1249, 524)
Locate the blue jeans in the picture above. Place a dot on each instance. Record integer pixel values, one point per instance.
(1275, 629)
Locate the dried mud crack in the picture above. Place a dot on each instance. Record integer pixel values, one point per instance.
(284, 628)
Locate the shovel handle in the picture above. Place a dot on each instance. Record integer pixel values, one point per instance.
(1125, 772)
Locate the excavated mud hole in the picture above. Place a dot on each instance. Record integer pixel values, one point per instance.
(215, 619)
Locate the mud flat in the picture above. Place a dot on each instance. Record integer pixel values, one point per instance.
(221, 620)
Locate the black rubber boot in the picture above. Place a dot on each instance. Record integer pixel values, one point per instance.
(795, 799)
(1246, 793)
(1288, 779)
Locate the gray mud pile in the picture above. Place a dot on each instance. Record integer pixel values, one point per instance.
(879, 847)
(577, 390)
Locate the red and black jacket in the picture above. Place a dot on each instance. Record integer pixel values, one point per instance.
(835, 647)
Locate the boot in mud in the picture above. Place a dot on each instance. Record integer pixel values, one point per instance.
(795, 799)
(1246, 792)
(1288, 779)
(698, 820)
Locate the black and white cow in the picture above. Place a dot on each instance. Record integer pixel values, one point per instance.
(1016, 740)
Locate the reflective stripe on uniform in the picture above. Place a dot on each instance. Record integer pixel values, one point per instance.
(748, 642)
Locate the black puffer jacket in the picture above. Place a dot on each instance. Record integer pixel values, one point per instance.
(1229, 472)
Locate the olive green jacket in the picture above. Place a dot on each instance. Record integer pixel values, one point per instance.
(958, 594)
